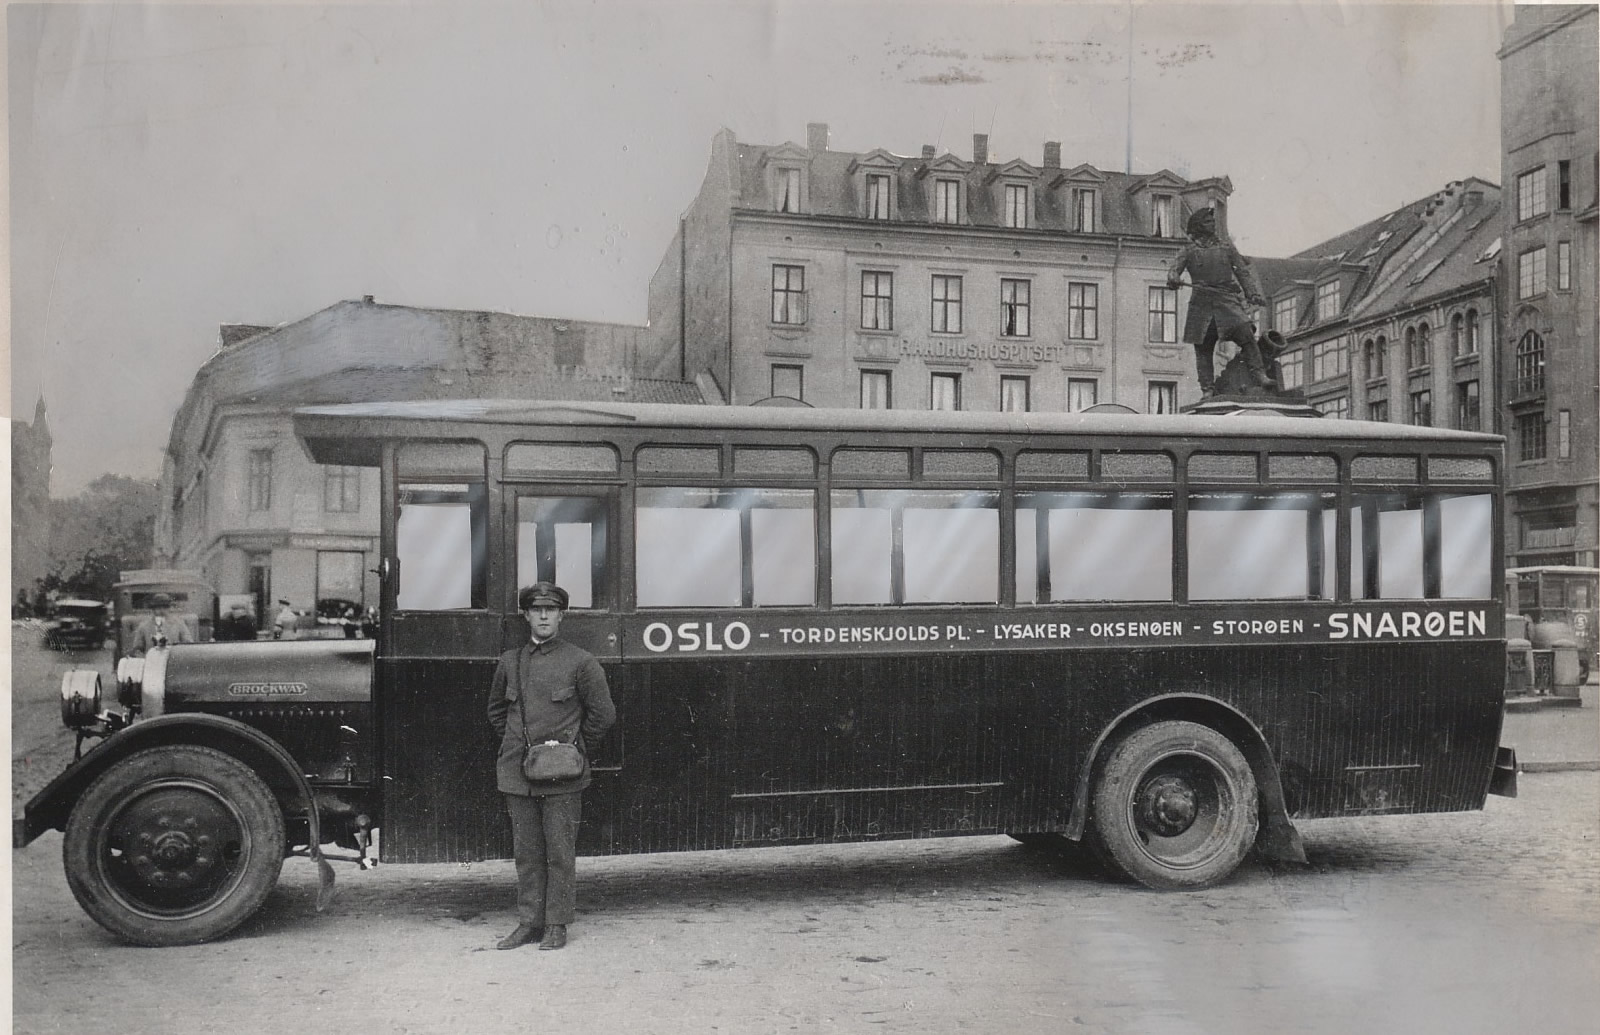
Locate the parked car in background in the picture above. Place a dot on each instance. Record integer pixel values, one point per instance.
(76, 625)
(191, 598)
(1561, 601)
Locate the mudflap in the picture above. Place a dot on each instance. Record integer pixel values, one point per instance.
(1504, 780)
(1278, 841)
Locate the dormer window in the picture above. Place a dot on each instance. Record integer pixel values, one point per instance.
(879, 187)
(1163, 215)
(787, 194)
(1328, 300)
(1084, 205)
(1284, 316)
(946, 201)
(1016, 206)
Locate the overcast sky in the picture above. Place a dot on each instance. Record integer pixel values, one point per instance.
(177, 167)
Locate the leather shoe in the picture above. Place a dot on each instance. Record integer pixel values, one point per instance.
(555, 937)
(524, 934)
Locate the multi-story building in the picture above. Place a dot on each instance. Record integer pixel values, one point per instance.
(1548, 115)
(30, 502)
(877, 280)
(1396, 319)
(242, 503)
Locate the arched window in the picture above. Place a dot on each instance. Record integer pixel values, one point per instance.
(1372, 354)
(1424, 353)
(1472, 333)
(1458, 343)
(1411, 348)
(1530, 363)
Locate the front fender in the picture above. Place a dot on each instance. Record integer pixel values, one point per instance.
(49, 809)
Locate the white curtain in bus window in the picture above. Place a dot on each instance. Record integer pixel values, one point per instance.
(783, 554)
(1249, 547)
(687, 549)
(574, 560)
(863, 550)
(1396, 548)
(952, 555)
(1111, 547)
(434, 544)
(1466, 532)
(1027, 556)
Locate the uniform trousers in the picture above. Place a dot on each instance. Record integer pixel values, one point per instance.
(1236, 331)
(544, 840)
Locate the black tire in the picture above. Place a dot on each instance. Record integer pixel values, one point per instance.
(1175, 806)
(214, 840)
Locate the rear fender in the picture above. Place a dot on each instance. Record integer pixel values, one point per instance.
(49, 809)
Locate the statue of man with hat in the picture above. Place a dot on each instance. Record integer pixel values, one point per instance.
(1225, 290)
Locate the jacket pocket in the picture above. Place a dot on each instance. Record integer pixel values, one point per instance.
(564, 693)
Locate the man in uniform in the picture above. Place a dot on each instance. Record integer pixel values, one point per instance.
(160, 629)
(547, 689)
(1224, 288)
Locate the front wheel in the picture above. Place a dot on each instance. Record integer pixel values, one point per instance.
(1175, 806)
(174, 845)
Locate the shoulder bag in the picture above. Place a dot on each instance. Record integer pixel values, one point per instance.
(550, 761)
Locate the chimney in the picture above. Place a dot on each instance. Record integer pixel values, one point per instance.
(817, 136)
(980, 149)
(927, 151)
(1052, 154)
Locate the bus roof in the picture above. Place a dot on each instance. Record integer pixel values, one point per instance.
(320, 426)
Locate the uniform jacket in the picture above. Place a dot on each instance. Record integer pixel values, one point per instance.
(565, 695)
(1223, 284)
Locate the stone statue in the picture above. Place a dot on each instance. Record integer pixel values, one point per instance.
(1225, 290)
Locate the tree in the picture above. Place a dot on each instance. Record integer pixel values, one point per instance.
(104, 530)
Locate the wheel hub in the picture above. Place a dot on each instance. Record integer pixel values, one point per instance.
(174, 839)
(1168, 805)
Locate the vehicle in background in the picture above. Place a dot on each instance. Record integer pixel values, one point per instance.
(192, 601)
(1560, 603)
(76, 624)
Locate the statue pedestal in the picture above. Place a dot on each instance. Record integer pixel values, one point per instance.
(1256, 401)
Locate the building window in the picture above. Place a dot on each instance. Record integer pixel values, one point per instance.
(1292, 365)
(875, 390)
(1164, 218)
(1457, 338)
(1531, 194)
(1016, 206)
(1378, 409)
(877, 196)
(788, 381)
(1161, 397)
(1337, 408)
(1372, 353)
(1471, 346)
(1083, 311)
(788, 294)
(788, 190)
(1563, 265)
(1531, 273)
(1015, 321)
(944, 392)
(1530, 364)
(1082, 393)
(1163, 314)
(1083, 210)
(1563, 184)
(341, 489)
(1564, 434)
(947, 201)
(1328, 300)
(260, 479)
(1422, 408)
(1013, 394)
(1284, 317)
(1329, 359)
(1530, 436)
(877, 301)
(946, 315)
(1468, 414)
(1419, 346)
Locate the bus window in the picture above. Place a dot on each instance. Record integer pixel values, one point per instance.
(562, 539)
(1258, 546)
(703, 547)
(1095, 545)
(906, 546)
(1466, 531)
(440, 540)
(1386, 548)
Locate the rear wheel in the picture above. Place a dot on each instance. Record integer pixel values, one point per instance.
(174, 845)
(1175, 806)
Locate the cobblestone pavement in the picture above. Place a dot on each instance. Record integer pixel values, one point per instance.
(1476, 922)
(1557, 737)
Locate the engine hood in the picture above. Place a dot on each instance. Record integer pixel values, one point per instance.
(277, 671)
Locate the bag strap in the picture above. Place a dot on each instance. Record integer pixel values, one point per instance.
(522, 708)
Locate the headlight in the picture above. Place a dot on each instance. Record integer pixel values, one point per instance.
(80, 697)
(130, 676)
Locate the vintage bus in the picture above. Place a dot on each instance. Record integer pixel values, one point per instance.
(1169, 636)
(1564, 593)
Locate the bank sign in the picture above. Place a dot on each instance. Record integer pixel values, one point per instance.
(720, 634)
